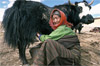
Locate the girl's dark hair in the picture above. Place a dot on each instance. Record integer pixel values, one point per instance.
(56, 13)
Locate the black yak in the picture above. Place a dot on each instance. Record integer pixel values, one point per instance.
(24, 19)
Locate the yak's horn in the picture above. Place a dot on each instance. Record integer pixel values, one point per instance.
(70, 2)
(91, 2)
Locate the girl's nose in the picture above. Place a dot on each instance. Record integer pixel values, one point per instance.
(55, 20)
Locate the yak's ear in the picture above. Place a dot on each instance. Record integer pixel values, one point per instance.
(89, 7)
(76, 3)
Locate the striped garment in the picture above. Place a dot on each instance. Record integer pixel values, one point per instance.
(65, 51)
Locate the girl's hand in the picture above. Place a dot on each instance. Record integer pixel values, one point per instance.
(38, 34)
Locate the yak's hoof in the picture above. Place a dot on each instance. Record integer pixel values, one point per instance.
(26, 65)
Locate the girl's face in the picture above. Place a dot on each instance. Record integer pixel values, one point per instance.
(56, 20)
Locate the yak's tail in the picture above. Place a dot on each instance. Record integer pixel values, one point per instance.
(20, 24)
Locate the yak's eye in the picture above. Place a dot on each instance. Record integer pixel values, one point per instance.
(80, 8)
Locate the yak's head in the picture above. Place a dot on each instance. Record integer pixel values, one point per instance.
(84, 8)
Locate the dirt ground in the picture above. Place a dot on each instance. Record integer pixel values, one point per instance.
(90, 47)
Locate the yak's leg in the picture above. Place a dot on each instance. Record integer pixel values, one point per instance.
(79, 31)
(75, 30)
(22, 55)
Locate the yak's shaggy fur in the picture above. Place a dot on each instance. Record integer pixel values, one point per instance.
(24, 21)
